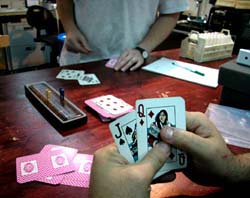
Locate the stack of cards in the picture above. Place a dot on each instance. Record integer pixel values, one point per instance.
(79, 75)
(111, 62)
(55, 165)
(109, 107)
(138, 131)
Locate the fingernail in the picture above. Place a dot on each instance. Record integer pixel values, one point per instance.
(169, 132)
(164, 147)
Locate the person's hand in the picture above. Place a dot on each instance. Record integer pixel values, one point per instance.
(112, 175)
(76, 42)
(211, 160)
(130, 59)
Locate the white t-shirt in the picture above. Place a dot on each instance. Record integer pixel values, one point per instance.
(111, 26)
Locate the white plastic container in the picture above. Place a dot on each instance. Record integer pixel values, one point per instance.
(203, 47)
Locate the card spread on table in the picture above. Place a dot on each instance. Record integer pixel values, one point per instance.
(109, 106)
(70, 74)
(137, 132)
(79, 75)
(55, 165)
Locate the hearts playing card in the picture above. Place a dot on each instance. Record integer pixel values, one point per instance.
(123, 131)
(88, 79)
(70, 74)
(152, 115)
(109, 106)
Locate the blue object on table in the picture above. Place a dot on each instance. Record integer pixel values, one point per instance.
(61, 36)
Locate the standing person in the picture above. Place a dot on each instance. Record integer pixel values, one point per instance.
(129, 29)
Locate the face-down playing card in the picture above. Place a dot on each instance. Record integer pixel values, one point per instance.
(80, 177)
(152, 115)
(123, 131)
(52, 160)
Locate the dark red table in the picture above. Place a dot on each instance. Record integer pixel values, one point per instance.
(24, 131)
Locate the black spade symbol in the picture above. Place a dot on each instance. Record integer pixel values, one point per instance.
(128, 130)
(121, 142)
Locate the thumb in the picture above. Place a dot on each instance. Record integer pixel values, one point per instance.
(155, 159)
(183, 140)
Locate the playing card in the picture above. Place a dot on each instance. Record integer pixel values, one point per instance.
(70, 74)
(152, 115)
(52, 160)
(112, 104)
(123, 131)
(109, 106)
(50, 148)
(88, 79)
(56, 179)
(111, 62)
(80, 177)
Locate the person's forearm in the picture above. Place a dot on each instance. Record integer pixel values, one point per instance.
(159, 31)
(66, 14)
(242, 169)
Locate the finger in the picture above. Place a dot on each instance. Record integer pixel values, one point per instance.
(81, 47)
(122, 60)
(155, 159)
(131, 62)
(184, 140)
(75, 47)
(70, 47)
(136, 66)
(201, 125)
(84, 46)
(111, 154)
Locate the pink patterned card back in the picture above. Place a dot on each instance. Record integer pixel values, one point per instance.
(45, 164)
(80, 177)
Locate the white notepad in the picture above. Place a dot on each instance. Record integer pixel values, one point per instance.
(185, 71)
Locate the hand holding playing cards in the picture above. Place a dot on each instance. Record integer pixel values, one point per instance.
(211, 159)
(130, 59)
(76, 42)
(113, 176)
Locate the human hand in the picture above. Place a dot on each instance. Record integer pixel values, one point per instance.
(76, 42)
(130, 59)
(211, 160)
(112, 175)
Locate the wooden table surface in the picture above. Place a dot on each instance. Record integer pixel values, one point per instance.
(24, 131)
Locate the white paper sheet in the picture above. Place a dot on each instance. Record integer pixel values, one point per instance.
(185, 71)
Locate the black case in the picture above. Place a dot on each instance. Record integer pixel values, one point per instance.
(235, 79)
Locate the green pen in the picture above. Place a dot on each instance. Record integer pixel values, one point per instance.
(186, 68)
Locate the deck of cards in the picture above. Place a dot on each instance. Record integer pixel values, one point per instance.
(55, 165)
(138, 131)
(109, 107)
(111, 62)
(79, 75)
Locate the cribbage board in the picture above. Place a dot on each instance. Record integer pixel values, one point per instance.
(61, 111)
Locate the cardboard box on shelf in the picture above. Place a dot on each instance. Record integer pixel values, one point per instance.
(4, 40)
(239, 4)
